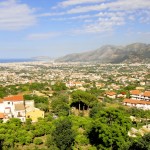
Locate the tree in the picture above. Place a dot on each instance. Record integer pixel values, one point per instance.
(109, 129)
(60, 105)
(146, 116)
(59, 86)
(84, 97)
(142, 143)
(50, 143)
(28, 124)
(63, 134)
(38, 141)
(95, 109)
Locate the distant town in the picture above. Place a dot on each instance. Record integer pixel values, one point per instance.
(37, 90)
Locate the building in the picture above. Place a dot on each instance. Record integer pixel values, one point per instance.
(138, 95)
(141, 104)
(35, 114)
(2, 116)
(32, 112)
(111, 94)
(139, 99)
(74, 84)
(13, 107)
(16, 107)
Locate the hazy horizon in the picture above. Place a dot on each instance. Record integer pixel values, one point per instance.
(56, 28)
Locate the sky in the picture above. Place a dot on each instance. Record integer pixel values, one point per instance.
(54, 28)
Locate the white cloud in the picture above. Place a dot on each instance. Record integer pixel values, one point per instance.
(15, 16)
(145, 17)
(41, 36)
(85, 17)
(122, 5)
(80, 17)
(77, 2)
(101, 17)
(131, 17)
(103, 25)
(51, 14)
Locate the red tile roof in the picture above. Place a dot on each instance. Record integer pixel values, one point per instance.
(14, 98)
(135, 92)
(111, 93)
(1, 115)
(132, 101)
(1, 101)
(146, 93)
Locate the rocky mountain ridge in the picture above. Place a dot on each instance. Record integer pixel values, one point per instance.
(133, 53)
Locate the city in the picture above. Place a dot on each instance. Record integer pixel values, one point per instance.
(31, 91)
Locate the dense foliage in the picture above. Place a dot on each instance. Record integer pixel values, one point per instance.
(98, 125)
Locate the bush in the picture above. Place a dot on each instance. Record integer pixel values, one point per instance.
(82, 140)
(38, 141)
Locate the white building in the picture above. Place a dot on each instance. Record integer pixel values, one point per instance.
(13, 107)
(141, 104)
(138, 95)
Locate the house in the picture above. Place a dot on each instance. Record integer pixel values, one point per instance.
(140, 88)
(142, 83)
(137, 94)
(111, 94)
(19, 112)
(99, 85)
(29, 105)
(13, 106)
(72, 84)
(16, 107)
(141, 104)
(146, 95)
(35, 114)
(32, 112)
(122, 95)
(78, 84)
(2, 116)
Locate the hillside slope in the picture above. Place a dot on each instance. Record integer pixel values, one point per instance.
(133, 53)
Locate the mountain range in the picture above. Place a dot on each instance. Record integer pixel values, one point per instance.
(133, 53)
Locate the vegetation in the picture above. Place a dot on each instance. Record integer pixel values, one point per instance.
(98, 125)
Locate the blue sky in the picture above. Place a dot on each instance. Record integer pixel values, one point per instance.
(54, 28)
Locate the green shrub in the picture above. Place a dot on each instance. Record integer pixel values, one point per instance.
(38, 141)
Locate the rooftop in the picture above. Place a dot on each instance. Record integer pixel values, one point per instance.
(132, 101)
(14, 98)
(19, 107)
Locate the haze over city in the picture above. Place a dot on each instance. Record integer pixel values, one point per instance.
(58, 27)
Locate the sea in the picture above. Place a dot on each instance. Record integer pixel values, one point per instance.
(13, 60)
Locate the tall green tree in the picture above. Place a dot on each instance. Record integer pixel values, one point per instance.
(109, 129)
(142, 143)
(60, 105)
(84, 97)
(63, 134)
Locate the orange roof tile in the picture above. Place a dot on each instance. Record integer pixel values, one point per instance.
(1, 115)
(132, 101)
(1, 100)
(77, 82)
(146, 93)
(135, 92)
(14, 98)
(111, 93)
